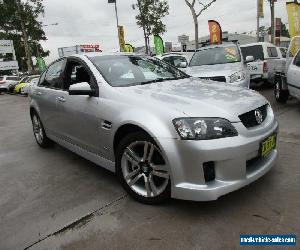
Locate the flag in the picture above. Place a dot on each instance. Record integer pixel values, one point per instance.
(121, 37)
(260, 8)
(159, 45)
(41, 64)
(293, 10)
(215, 31)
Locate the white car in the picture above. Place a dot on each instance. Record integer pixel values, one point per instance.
(176, 59)
(267, 60)
(24, 90)
(5, 81)
(221, 63)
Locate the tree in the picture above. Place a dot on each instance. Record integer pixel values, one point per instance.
(19, 22)
(150, 17)
(196, 13)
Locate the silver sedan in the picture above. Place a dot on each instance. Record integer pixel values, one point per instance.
(163, 133)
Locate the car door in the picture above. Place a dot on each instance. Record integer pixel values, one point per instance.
(46, 94)
(293, 76)
(78, 114)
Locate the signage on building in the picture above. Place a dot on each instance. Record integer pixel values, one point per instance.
(183, 39)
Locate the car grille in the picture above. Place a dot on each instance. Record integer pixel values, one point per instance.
(249, 120)
(215, 78)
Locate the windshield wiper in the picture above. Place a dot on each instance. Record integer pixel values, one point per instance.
(157, 80)
(164, 79)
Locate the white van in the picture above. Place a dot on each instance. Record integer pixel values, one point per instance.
(267, 60)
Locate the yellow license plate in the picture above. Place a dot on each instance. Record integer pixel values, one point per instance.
(268, 145)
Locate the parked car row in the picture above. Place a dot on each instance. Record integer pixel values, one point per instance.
(14, 85)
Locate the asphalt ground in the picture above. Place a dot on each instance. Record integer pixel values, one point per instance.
(54, 199)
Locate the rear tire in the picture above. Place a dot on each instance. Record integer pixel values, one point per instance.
(39, 132)
(142, 170)
(281, 95)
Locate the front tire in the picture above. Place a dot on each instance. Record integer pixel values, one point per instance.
(281, 95)
(39, 132)
(142, 169)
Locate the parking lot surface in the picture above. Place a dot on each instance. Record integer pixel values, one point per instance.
(54, 199)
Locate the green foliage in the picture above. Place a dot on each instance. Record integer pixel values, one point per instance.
(150, 16)
(11, 28)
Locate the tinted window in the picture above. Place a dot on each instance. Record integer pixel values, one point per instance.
(76, 73)
(175, 60)
(217, 55)
(53, 75)
(272, 52)
(123, 70)
(297, 60)
(1, 78)
(283, 52)
(256, 51)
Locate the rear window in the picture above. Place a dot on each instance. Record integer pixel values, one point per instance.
(256, 51)
(272, 52)
(1, 78)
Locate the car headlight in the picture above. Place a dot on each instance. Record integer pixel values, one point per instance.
(237, 77)
(204, 128)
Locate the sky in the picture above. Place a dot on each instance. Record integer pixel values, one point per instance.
(93, 21)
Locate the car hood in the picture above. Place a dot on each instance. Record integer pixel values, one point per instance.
(214, 70)
(194, 98)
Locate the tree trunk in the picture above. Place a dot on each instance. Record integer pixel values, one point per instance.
(272, 21)
(196, 33)
(25, 38)
(196, 26)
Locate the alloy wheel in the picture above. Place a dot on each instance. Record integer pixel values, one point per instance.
(37, 129)
(144, 169)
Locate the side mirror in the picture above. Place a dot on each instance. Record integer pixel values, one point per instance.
(249, 59)
(82, 88)
(182, 65)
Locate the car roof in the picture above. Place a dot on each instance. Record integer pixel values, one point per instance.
(95, 54)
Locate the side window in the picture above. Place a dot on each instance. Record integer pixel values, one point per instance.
(178, 60)
(169, 60)
(53, 75)
(272, 52)
(297, 59)
(42, 78)
(283, 52)
(76, 73)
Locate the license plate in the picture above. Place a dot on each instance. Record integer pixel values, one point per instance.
(268, 145)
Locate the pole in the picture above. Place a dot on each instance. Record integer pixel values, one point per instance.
(272, 5)
(257, 30)
(117, 18)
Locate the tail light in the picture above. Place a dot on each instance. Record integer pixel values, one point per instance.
(265, 67)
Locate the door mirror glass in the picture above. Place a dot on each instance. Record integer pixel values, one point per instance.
(82, 88)
(249, 59)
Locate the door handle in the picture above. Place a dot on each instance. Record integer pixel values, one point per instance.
(61, 99)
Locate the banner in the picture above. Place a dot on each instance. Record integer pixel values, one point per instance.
(293, 10)
(215, 31)
(121, 37)
(41, 64)
(128, 48)
(159, 45)
(260, 8)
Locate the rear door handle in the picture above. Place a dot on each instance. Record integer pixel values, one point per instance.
(61, 99)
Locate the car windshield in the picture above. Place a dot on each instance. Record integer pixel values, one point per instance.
(129, 70)
(217, 55)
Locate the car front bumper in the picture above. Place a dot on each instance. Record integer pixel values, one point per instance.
(235, 159)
